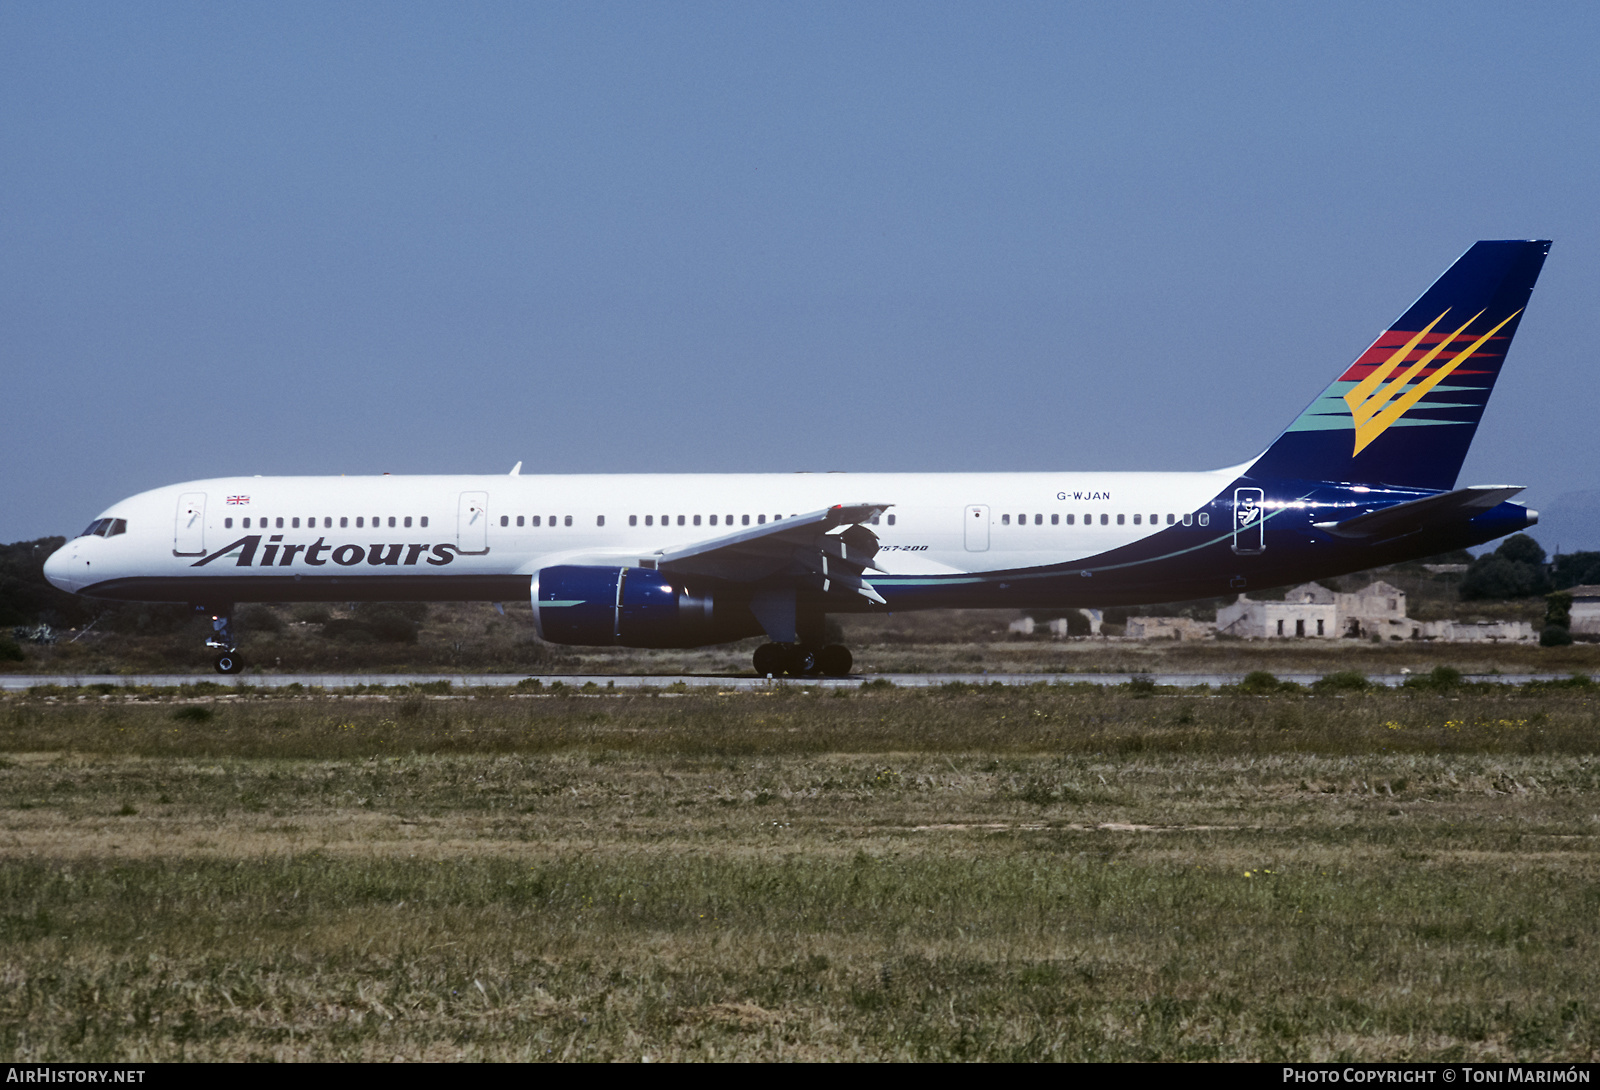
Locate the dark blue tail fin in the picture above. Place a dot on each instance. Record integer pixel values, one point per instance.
(1405, 412)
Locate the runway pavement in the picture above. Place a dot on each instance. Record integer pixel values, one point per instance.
(465, 682)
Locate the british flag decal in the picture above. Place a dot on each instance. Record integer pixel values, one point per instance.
(238, 499)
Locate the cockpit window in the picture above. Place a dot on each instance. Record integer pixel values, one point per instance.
(105, 528)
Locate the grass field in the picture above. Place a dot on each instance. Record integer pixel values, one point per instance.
(1036, 873)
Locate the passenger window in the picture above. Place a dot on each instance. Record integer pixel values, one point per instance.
(1135, 519)
(633, 520)
(280, 523)
(294, 524)
(680, 520)
(649, 520)
(1120, 519)
(344, 522)
(535, 520)
(761, 520)
(520, 521)
(227, 524)
(1071, 520)
(408, 522)
(424, 522)
(891, 520)
(713, 520)
(391, 522)
(1105, 520)
(505, 520)
(360, 522)
(1005, 520)
(874, 520)
(727, 520)
(744, 520)
(1055, 520)
(599, 520)
(697, 520)
(567, 521)
(1038, 520)
(1187, 518)
(1169, 519)
(1154, 519)
(1205, 519)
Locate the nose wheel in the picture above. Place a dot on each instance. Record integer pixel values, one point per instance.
(221, 639)
(799, 660)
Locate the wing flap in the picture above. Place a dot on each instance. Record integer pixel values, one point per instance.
(827, 550)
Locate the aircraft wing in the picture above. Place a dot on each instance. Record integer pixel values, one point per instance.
(1414, 515)
(828, 550)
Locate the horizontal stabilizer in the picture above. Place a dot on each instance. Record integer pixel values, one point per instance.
(1426, 513)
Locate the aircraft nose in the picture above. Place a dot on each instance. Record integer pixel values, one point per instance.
(57, 569)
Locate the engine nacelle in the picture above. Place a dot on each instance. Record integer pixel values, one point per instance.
(634, 607)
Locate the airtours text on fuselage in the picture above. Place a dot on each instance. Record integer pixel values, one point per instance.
(277, 554)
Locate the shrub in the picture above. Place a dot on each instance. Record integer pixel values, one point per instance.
(1555, 635)
(1558, 609)
(10, 650)
(1344, 681)
(1142, 685)
(1259, 681)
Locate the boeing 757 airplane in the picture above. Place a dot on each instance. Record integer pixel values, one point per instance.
(1366, 475)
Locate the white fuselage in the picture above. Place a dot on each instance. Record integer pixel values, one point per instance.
(446, 527)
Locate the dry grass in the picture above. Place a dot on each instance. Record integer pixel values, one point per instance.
(1020, 874)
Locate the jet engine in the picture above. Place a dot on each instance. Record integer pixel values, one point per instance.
(635, 607)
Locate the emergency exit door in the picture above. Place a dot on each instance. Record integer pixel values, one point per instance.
(977, 517)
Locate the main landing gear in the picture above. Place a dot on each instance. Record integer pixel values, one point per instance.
(799, 660)
(221, 639)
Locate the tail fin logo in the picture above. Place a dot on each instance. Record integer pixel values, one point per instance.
(1376, 402)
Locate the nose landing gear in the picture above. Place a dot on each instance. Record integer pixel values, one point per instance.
(800, 660)
(221, 639)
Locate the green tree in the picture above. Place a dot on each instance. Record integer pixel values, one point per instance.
(1515, 570)
(1575, 570)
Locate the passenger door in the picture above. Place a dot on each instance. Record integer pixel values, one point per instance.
(189, 529)
(472, 523)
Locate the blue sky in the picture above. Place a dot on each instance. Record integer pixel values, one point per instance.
(419, 238)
